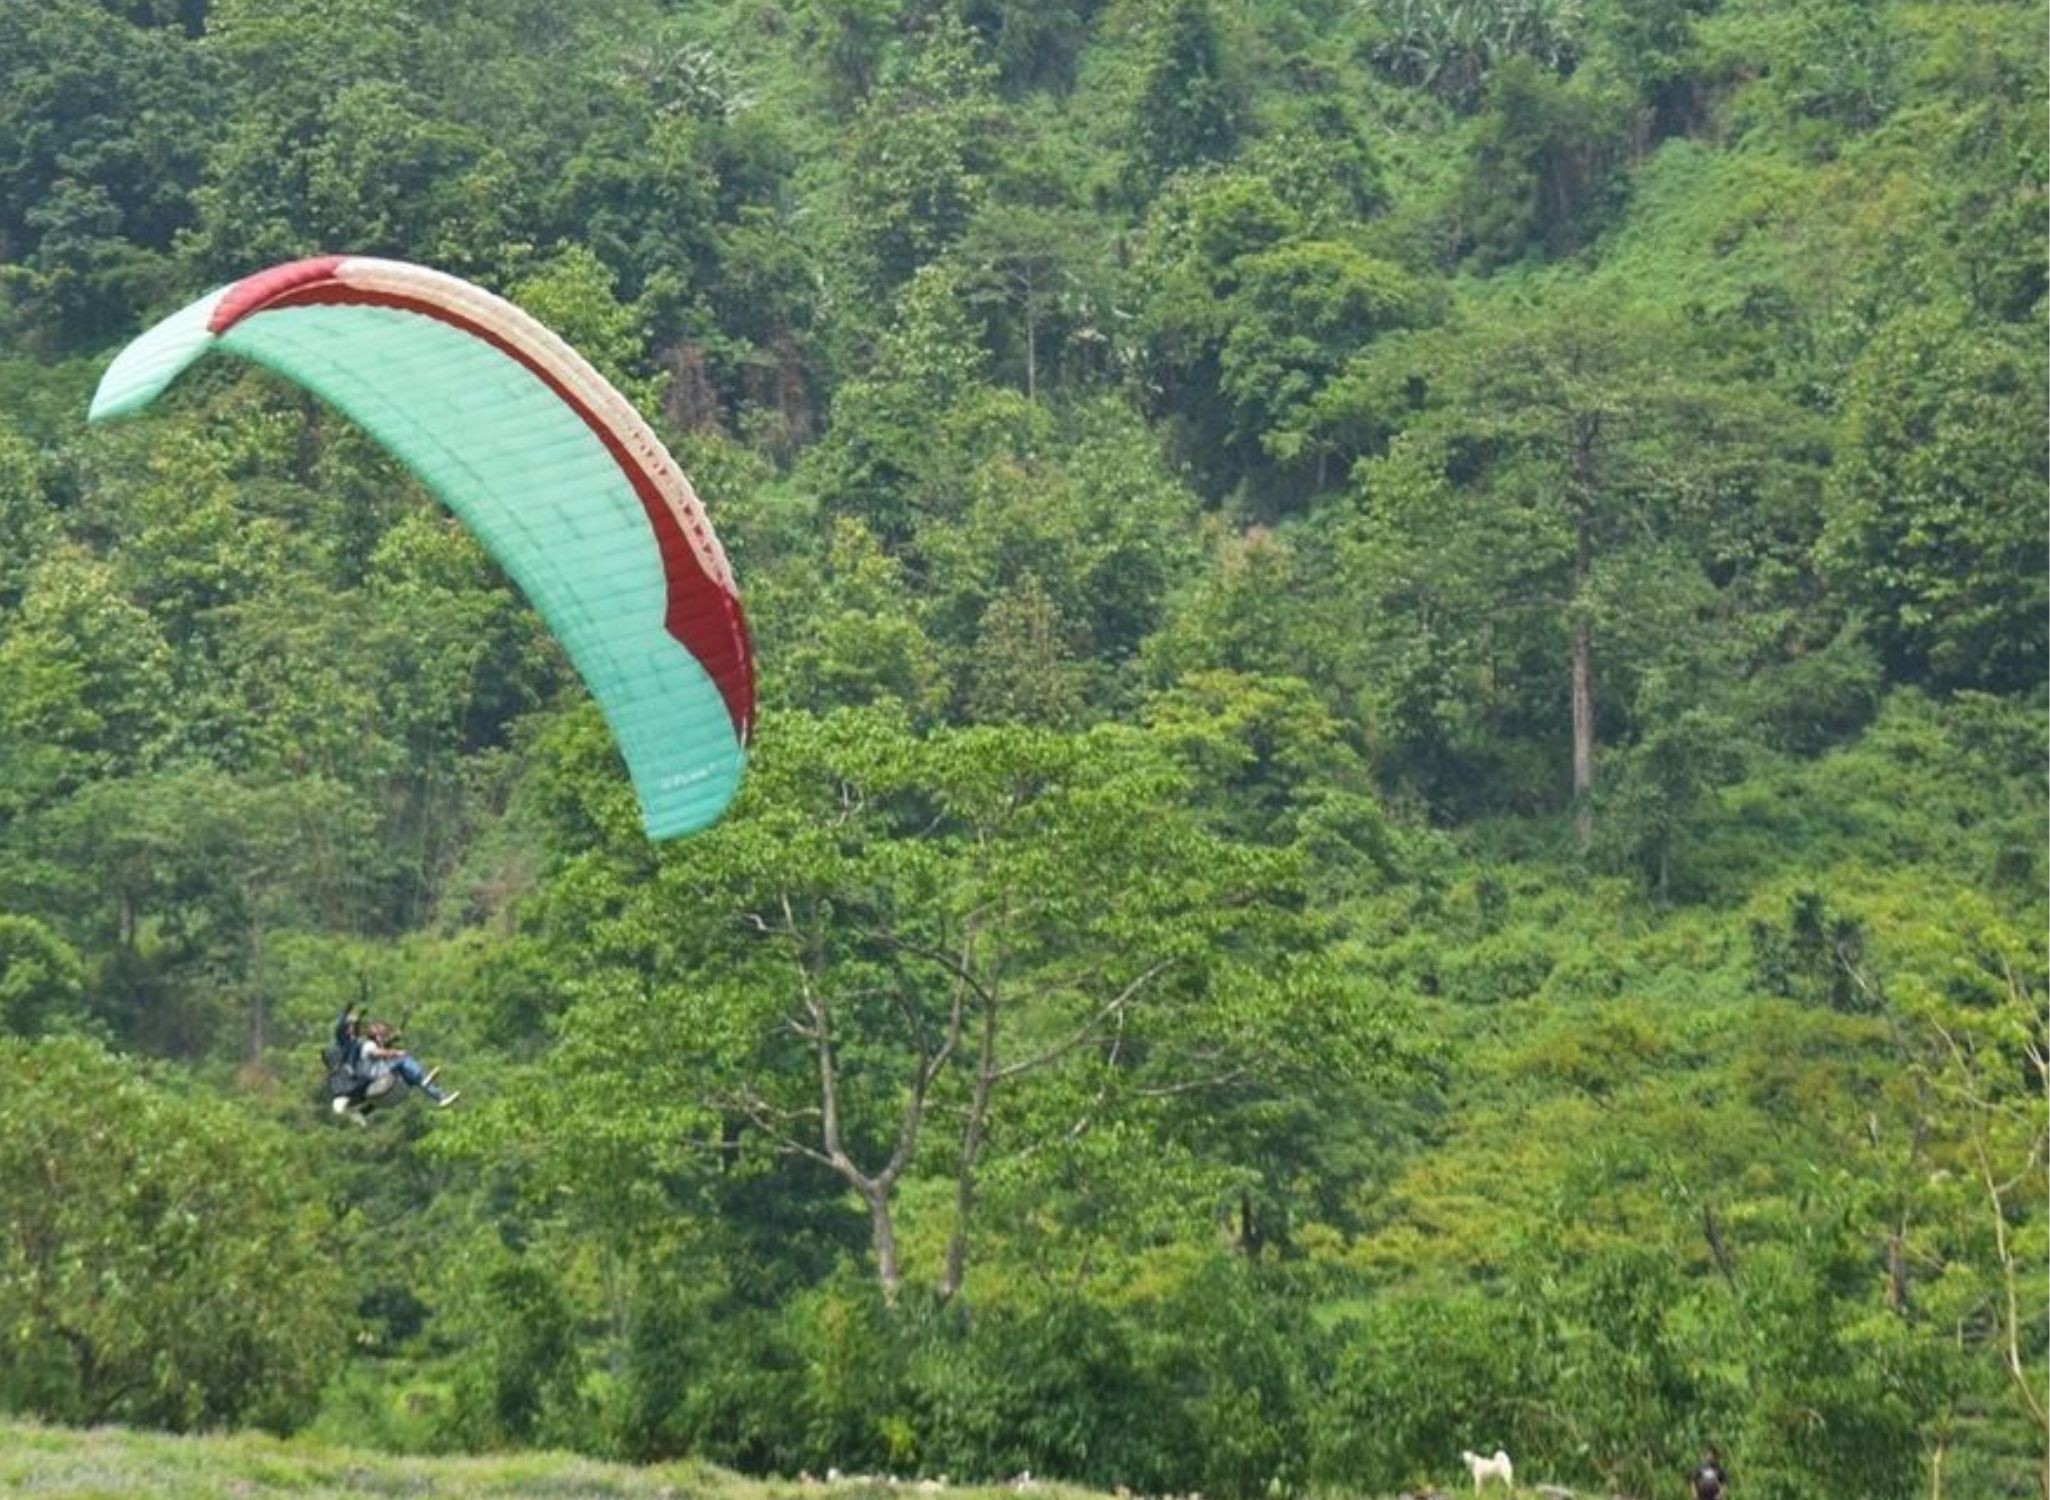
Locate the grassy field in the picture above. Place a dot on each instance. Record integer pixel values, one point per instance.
(110, 1463)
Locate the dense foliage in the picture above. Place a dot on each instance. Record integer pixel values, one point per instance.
(1400, 805)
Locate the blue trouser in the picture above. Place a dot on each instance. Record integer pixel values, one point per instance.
(407, 1067)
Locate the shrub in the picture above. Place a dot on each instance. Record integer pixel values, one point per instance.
(159, 1261)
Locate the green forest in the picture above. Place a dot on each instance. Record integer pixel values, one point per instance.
(1399, 802)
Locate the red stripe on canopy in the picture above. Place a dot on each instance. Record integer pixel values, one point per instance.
(254, 293)
(702, 615)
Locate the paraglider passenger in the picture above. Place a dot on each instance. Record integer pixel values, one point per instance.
(381, 1054)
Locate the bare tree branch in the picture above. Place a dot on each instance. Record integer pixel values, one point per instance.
(2011, 1356)
(1092, 1027)
(816, 1007)
(1195, 1085)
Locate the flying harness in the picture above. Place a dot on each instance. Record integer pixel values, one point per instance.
(346, 1076)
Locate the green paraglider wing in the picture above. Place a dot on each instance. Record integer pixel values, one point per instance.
(547, 465)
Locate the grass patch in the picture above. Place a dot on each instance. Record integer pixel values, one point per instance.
(117, 1463)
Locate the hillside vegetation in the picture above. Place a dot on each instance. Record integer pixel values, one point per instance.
(1400, 799)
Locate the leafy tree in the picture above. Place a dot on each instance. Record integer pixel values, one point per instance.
(1235, 1358)
(164, 1261)
(1301, 312)
(769, 293)
(1661, 781)
(1196, 236)
(1137, 524)
(1540, 168)
(1034, 46)
(1024, 668)
(459, 655)
(197, 543)
(1415, 1377)
(984, 909)
(85, 681)
(259, 205)
(1261, 748)
(1199, 234)
(1036, 265)
(881, 446)
(1185, 109)
(1827, 1359)
(107, 118)
(1993, 166)
(518, 1382)
(1834, 66)
(1566, 435)
(381, 165)
(1656, 49)
(851, 37)
(1960, 993)
(1936, 509)
(25, 516)
(1319, 157)
(920, 154)
(1627, 1382)
(1242, 617)
(179, 879)
(1452, 48)
(41, 978)
(862, 640)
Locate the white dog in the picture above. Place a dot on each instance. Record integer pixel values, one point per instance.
(1490, 1468)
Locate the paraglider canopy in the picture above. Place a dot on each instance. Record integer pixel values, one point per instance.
(543, 460)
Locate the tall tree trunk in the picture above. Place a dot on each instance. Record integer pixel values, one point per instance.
(883, 1228)
(1252, 1238)
(1717, 1246)
(874, 1191)
(1586, 432)
(1031, 351)
(1583, 733)
(257, 1008)
(1897, 1269)
(956, 1268)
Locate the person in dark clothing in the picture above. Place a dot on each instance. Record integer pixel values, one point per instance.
(343, 1058)
(1710, 1480)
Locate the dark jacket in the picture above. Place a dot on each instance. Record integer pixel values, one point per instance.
(1709, 1479)
(343, 1058)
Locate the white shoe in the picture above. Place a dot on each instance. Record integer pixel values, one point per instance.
(341, 1104)
(447, 1099)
